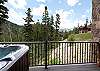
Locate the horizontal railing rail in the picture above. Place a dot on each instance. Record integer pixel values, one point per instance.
(60, 52)
(49, 41)
(21, 42)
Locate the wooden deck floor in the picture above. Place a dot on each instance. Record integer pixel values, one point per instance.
(71, 67)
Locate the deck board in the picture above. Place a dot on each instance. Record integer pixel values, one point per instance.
(73, 67)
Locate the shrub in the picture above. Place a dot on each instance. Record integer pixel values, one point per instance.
(54, 61)
(71, 37)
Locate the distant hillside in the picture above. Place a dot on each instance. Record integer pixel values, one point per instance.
(80, 37)
(11, 32)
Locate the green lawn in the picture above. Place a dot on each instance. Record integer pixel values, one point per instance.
(80, 37)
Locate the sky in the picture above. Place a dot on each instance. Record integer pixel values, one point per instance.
(72, 12)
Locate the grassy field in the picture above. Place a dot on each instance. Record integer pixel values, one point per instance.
(80, 37)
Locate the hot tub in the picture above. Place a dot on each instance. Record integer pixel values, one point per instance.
(13, 57)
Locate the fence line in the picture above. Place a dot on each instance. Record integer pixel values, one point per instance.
(58, 53)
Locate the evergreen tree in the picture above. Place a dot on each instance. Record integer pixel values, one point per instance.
(3, 10)
(52, 20)
(37, 31)
(3, 15)
(51, 28)
(46, 21)
(45, 17)
(28, 33)
(75, 30)
(57, 23)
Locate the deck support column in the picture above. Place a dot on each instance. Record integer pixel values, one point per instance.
(96, 26)
(98, 55)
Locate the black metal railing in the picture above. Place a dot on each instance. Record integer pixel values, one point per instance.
(72, 52)
(58, 53)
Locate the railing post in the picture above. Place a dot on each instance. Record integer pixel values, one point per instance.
(28, 63)
(46, 43)
(98, 54)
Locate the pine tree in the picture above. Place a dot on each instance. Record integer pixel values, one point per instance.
(46, 21)
(3, 10)
(45, 17)
(52, 20)
(37, 31)
(51, 28)
(57, 23)
(28, 33)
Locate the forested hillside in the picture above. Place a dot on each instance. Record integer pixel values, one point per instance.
(47, 29)
(11, 32)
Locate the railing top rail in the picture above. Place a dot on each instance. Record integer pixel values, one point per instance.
(73, 41)
(20, 42)
(38, 42)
